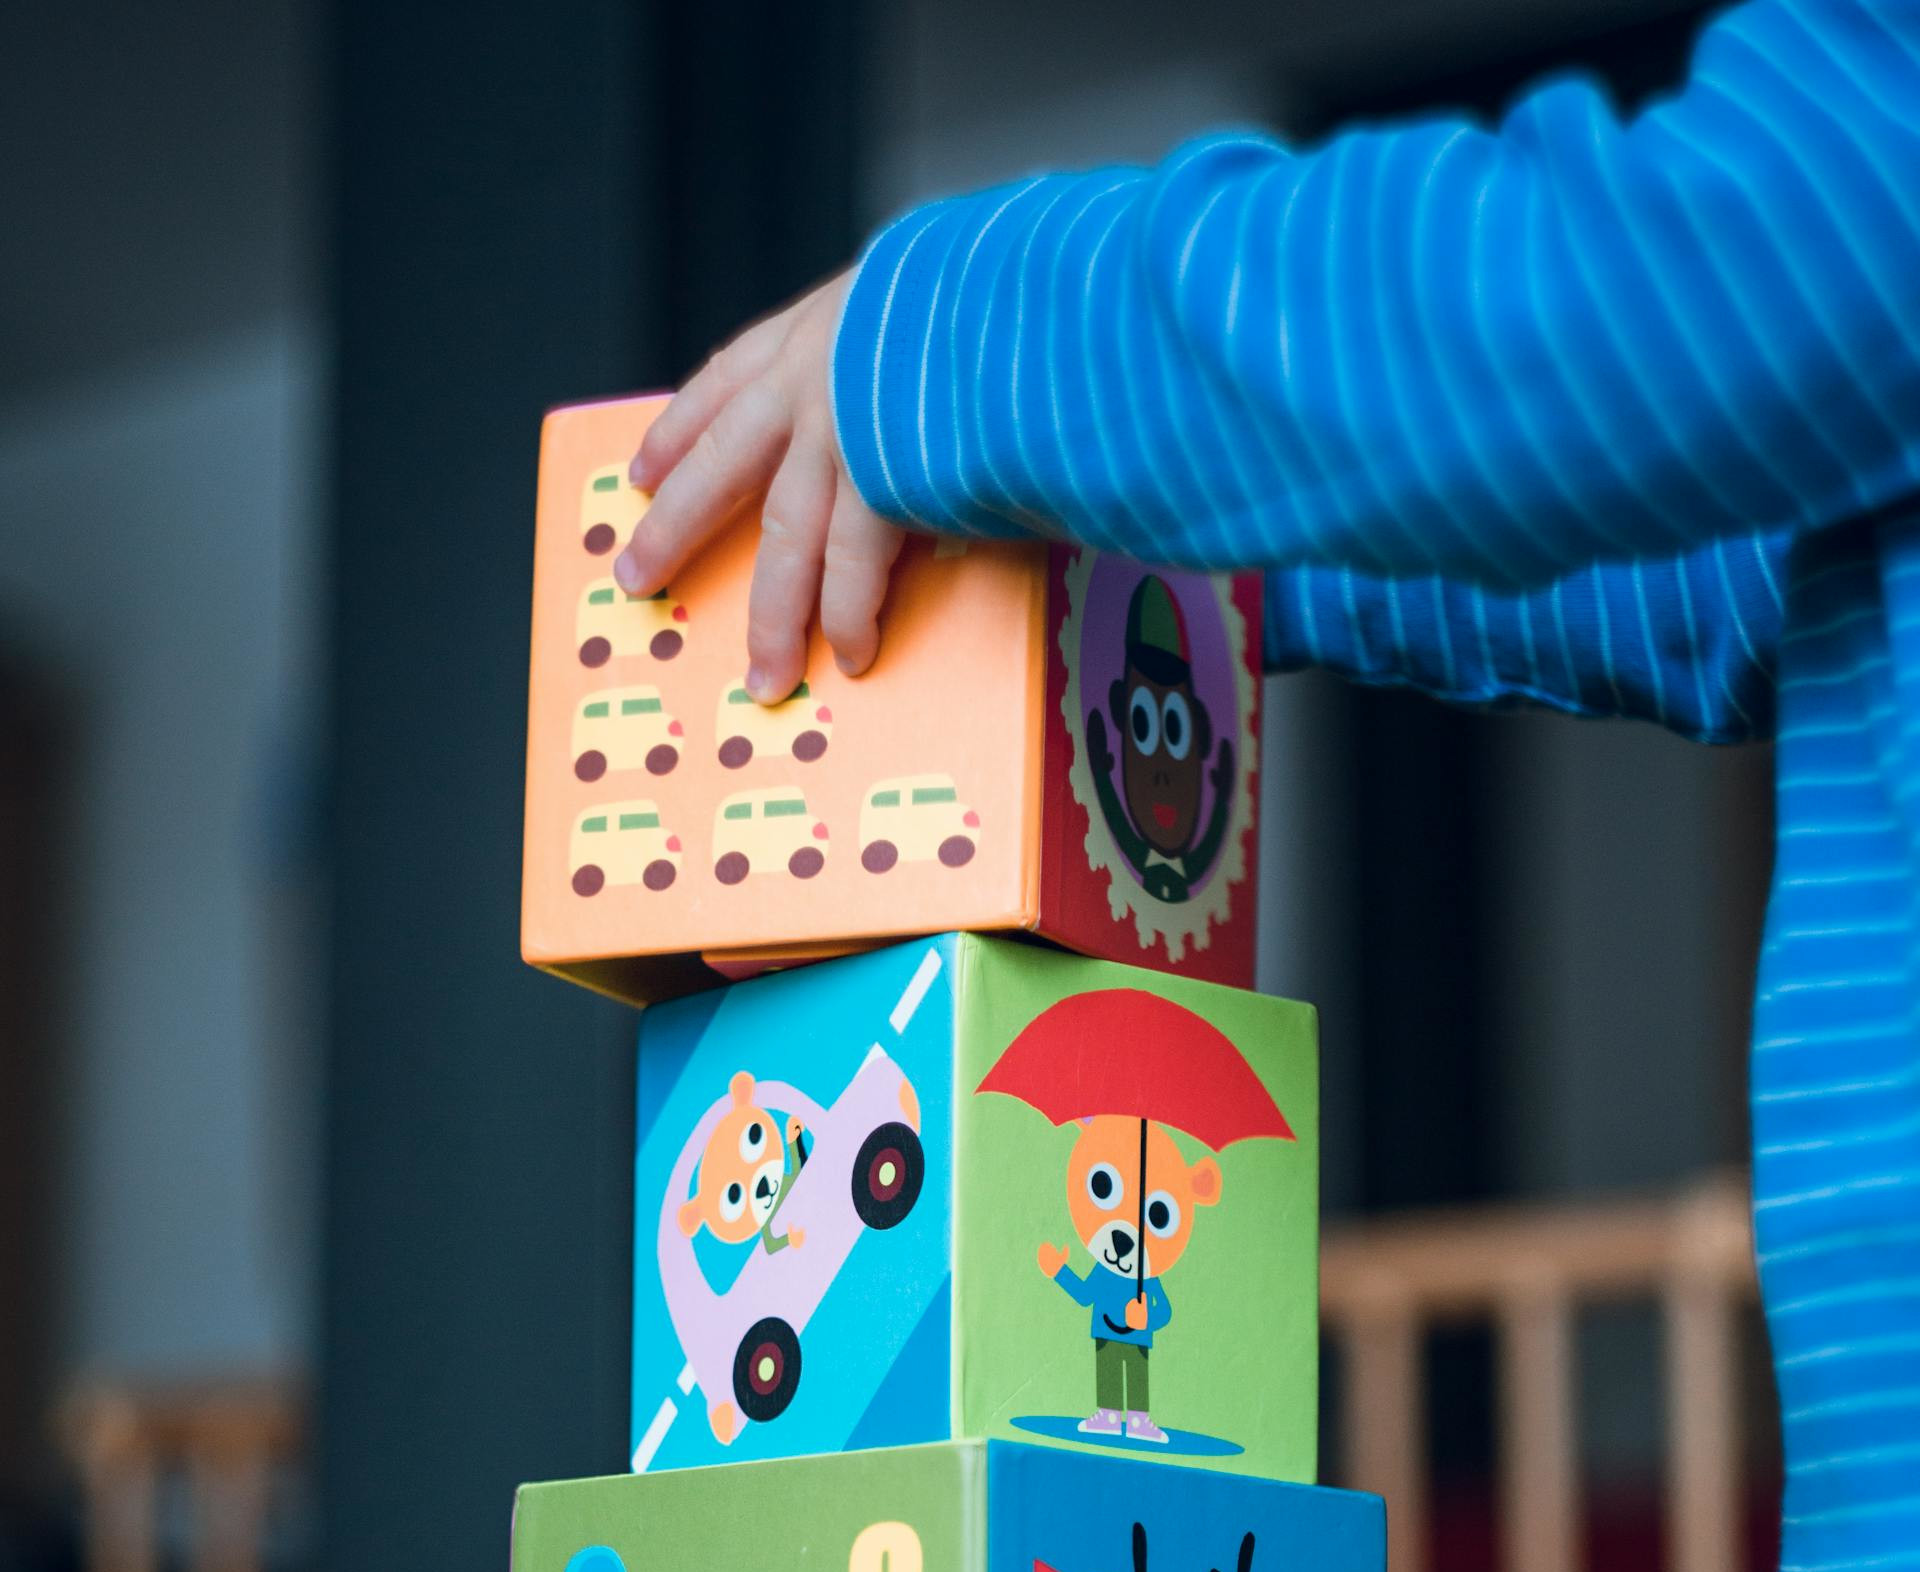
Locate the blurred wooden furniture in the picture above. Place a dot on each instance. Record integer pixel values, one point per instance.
(1529, 1272)
(223, 1441)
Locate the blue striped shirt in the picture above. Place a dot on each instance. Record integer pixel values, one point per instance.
(1617, 416)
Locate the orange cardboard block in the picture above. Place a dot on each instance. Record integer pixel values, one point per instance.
(1052, 741)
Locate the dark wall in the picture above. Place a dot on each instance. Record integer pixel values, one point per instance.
(532, 200)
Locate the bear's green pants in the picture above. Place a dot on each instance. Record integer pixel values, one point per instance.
(1119, 1374)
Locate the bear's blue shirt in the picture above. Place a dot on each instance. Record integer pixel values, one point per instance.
(1106, 1292)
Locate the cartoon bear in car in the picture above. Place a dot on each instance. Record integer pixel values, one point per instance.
(1166, 737)
(745, 1173)
(1122, 1289)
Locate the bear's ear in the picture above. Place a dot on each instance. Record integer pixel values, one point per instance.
(690, 1218)
(741, 1086)
(1117, 703)
(1204, 1176)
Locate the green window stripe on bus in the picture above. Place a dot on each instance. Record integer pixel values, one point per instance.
(785, 810)
(600, 597)
(597, 822)
(639, 821)
(737, 810)
(596, 711)
(739, 696)
(606, 482)
(934, 794)
(639, 706)
(886, 799)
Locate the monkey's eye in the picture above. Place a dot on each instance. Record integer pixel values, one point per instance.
(1176, 725)
(753, 1140)
(1104, 1188)
(1163, 1214)
(1143, 716)
(733, 1201)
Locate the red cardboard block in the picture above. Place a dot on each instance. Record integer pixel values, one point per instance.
(1052, 741)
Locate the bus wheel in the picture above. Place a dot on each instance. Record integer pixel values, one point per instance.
(659, 874)
(598, 540)
(591, 765)
(809, 745)
(661, 758)
(956, 851)
(588, 880)
(879, 856)
(731, 868)
(665, 644)
(735, 751)
(806, 862)
(595, 652)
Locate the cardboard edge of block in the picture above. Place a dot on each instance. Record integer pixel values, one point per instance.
(979, 1463)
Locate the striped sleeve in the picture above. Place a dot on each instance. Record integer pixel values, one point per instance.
(1690, 643)
(1496, 355)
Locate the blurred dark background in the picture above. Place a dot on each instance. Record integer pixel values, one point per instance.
(284, 288)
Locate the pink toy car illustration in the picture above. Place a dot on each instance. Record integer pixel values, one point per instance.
(862, 1169)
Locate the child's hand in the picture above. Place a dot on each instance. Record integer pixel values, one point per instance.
(755, 422)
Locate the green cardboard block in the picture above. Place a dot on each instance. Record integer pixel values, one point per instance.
(965, 1506)
(970, 1188)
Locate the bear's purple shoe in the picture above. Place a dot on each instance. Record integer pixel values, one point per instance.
(1104, 1422)
(1141, 1428)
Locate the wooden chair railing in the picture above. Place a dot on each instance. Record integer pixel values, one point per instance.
(223, 1441)
(1529, 1272)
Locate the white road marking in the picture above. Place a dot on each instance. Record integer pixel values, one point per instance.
(686, 1377)
(916, 991)
(656, 1433)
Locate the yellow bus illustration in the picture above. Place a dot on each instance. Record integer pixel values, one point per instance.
(623, 843)
(764, 832)
(916, 818)
(796, 725)
(611, 622)
(624, 729)
(609, 508)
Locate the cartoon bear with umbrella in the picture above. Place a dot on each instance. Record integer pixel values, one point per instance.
(1129, 1066)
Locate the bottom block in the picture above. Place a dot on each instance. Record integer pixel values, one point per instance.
(962, 1506)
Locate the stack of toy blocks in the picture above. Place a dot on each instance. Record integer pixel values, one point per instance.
(976, 1218)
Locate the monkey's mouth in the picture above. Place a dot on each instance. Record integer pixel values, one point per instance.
(1164, 813)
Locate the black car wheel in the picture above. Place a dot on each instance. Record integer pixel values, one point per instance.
(766, 1369)
(887, 1175)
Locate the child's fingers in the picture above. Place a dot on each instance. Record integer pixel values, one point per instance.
(786, 570)
(861, 547)
(730, 461)
(672, 436)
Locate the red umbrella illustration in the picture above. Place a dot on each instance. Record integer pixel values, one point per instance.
(1128, 1052)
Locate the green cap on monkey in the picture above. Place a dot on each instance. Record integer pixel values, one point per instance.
(1157, 633)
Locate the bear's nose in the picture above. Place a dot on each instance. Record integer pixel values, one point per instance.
(1122, 1244)
(763, 1188)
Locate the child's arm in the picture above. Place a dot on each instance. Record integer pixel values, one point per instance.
(1494, 355)
(1689, 642)
(1497, 355)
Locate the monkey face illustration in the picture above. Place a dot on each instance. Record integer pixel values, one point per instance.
(1165, 738)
